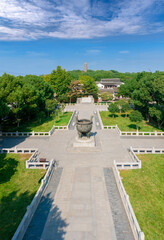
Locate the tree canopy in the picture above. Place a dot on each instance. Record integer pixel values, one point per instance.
(23, 97)
(60, 80)
(147, 94)
(89, 86)
(136, 116)
(113, 108)
(99, 74)
(106, 96)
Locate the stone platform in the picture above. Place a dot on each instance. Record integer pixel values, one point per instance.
(93, 144)
(84, 142)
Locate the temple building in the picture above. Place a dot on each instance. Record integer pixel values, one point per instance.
(109, 83)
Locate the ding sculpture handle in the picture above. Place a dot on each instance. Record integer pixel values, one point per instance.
(76, 117)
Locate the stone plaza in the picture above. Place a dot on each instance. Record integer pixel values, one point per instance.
(82, 201)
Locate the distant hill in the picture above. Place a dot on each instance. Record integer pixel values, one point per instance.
(98, 74)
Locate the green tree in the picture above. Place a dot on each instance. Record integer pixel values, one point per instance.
(146, 90)
(99, 74)
(123, 106)
(31, 101)
(136, 116)
(47, 78)
(8, 84)
(62, 107)
(75, 90)
(11, 93)
(26, 96)
(4, 110)
(41, 115)
(157, 113)
(106, 96)
(127, 89)
(57, 114)
(158, 89)
(89, 86)
(113, 108)
(43, 89)
(60, 81)
(16, 100)
(50, 105)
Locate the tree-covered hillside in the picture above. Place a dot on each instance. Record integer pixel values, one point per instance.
(98, 74)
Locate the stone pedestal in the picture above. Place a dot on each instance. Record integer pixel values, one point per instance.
(84, 142)
(84, 100)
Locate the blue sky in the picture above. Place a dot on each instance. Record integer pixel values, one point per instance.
(36, 36)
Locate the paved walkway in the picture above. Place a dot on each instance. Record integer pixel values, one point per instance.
(85, 210)
(46, 207)
(82, 200)
(121, 224)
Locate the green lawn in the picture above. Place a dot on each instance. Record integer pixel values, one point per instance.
(39, 126)
(18, 186)
(64, 119)
(145, 188)
(125, 124)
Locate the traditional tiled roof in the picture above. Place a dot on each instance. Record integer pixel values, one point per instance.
(111, 81)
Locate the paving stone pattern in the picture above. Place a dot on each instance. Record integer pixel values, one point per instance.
(122, 227)
(46, 206)
(82, 201)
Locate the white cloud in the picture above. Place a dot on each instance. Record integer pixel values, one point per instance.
(124, 52)
(93, 51)
(21, 12)
(33, 19)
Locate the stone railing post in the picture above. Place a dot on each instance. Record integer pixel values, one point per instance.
(127, 199)
(139, 163)
(153, 150)
(141, 236)
(26, 164)
(16, 133)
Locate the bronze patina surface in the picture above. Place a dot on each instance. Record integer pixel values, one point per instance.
(84, 126)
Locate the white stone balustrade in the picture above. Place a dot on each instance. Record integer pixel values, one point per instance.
(18, 150)
(100, 103)
(100, 120)
(138, 234)
(28, 134)
(32, 162)
(61, 127)
(109, 127)
(148, 150)
(19, 234)
(137, 133)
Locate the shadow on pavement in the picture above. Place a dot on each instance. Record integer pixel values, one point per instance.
(47, 222)
(10, 142)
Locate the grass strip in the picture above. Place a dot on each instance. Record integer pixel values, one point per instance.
(36, 125)
(125, 124)
(18, 186)
(145, 188)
